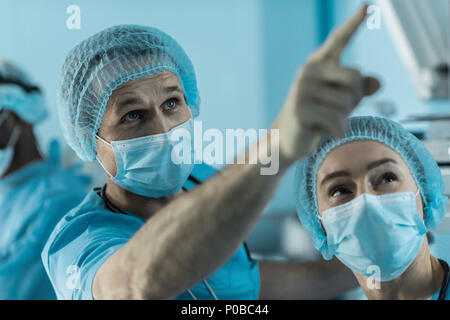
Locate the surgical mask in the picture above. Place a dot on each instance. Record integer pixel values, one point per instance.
(6, 154)
(376, 233)
(155, 165)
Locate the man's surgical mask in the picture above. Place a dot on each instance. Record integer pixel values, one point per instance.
(153, 166)
(7, 153)
(370, 231)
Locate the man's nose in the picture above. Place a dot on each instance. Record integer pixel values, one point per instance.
(160, 125)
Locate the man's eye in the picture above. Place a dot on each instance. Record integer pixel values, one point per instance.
(171, 104)
(132, 116)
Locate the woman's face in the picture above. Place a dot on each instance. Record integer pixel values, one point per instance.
(141, 107)
(359, 167)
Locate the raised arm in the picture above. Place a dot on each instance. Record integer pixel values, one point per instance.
(196, 233)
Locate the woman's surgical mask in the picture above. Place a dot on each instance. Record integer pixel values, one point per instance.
(376, 233)
(7, 153)
(155, 165)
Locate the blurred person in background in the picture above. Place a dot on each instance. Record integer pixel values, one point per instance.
(35, 191)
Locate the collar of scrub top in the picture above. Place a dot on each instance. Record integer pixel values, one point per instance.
(444, 286)
(113, 208)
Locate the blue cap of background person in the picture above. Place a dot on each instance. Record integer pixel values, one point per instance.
(20, 94)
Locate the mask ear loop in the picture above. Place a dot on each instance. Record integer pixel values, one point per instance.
(421, 200)
(4, 115)
(14, 136)
(98, 159)
(417, 192)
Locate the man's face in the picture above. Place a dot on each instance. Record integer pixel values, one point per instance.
(141, 107)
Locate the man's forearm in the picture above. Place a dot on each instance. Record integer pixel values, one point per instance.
(195, 234)
(304, 280)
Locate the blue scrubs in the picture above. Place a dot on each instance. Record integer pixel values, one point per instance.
(90, 233)
(33, 199)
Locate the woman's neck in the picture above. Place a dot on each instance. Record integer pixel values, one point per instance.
(420, 281)
(142, 206)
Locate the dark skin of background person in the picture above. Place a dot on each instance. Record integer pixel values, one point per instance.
(25, 150)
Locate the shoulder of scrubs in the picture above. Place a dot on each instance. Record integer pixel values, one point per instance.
(33, 199)
(90, 233)
(81, 242)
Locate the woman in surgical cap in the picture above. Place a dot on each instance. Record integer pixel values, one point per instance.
(369, 198)
(35, 192)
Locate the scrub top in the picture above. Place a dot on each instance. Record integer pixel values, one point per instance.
(33, 200)
(91, 232)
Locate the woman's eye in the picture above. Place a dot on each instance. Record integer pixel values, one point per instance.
(339, 191)
(170, 104)
(132, 116)
(387, 178)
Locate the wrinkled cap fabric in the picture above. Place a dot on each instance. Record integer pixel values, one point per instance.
(421, 164)
(29, 106)
(104, 61)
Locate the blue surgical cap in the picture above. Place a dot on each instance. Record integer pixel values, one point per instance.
(104, 61)
(421, 164)
(28, 105)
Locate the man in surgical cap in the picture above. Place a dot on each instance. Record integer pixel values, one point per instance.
(34, 190)
(148, 233)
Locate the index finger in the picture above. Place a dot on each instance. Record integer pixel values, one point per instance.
(338, 40)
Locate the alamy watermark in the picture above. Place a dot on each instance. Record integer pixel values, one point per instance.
(373, 282)
(212, 147)
(73, 22)
(73, 279)
(373, 21)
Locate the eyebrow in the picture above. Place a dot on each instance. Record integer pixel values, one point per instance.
(128, 101)
(334, 175)
(136, 100)
(370, 166)
(173, 89)
(379, 163)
